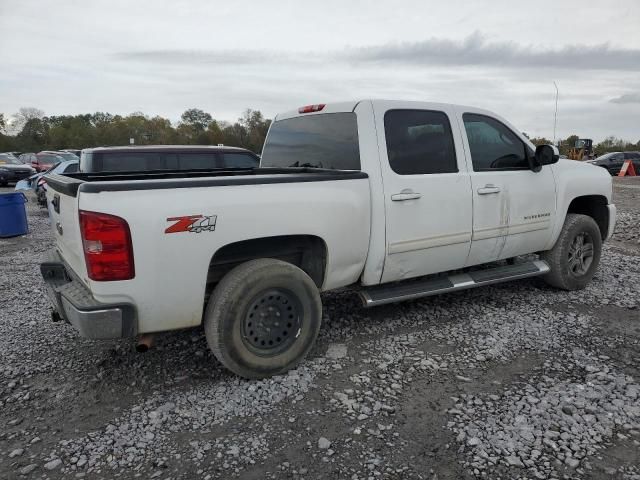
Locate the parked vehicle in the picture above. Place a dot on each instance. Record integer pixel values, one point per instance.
(72, 151)
(68, 155)
(613, 161)
(165, 157)
(27, 158)
(38, 184)
(12, 170)
(44, 160)
(396, 200)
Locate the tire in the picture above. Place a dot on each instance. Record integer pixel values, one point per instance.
(285, 302)
(568, 271)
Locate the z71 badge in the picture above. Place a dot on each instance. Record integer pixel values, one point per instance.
(192, 223)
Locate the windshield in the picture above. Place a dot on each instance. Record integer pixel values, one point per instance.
(8, 159)
(328, 140)
(64, 167)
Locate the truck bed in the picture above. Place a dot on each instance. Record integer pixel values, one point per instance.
(172, 266)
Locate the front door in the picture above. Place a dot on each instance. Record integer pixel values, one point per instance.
(427, 191)
(514, 208)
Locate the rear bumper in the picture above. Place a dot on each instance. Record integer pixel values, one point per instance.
(612, 220)
(73, 301)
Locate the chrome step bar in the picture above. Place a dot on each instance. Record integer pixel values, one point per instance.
(425, 287)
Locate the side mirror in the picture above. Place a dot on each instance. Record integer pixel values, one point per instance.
(545, 155)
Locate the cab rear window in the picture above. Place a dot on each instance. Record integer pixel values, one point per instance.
(328, 140)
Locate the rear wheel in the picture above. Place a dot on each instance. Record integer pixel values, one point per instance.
(575, 257)
(263, 318)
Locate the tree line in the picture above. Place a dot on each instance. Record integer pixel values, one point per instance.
(30, 130)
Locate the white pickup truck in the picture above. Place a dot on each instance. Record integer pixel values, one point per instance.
(395, 199)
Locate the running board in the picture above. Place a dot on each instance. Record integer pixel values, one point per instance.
(410, 289)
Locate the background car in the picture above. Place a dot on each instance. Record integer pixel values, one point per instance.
(44, 160)
(165, 157)
(38, 184)
(12, 170)
(74, 151)
(613, 161)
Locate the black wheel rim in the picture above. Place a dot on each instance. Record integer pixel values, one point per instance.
(580, 254)
(272, 322)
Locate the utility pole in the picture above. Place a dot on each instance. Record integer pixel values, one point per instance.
(555, 115)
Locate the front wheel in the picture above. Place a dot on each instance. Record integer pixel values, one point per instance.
(574, 258)
(263, 318)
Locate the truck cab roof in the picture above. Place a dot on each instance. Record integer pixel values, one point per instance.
(154, 148)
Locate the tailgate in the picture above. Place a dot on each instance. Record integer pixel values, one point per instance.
(62, 204)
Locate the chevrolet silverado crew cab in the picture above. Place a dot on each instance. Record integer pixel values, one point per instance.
(396, 200)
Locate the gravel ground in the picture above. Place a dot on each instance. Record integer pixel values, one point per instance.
(511, 381)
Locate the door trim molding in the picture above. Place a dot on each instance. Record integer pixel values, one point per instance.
(429, 242)
(511, 229)
(525, 227)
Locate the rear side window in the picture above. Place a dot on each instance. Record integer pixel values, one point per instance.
(148, 161)
(493, 146)
(240, 160)
(189, 161)
(327, 140)
(419, 142)
(127, 161)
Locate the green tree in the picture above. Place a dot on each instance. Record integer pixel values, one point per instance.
(23, 116)
(256, 127)
(38, 132)
(541, 141)
(34, 135)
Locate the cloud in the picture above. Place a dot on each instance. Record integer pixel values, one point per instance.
(476, 50)
(201, 57)
(627, 98)
(473, 50)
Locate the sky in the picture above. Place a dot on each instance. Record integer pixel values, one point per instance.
(161, 57)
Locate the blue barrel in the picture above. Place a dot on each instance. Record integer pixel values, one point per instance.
(13, 215)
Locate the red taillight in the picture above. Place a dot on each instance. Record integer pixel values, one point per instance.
(108, 251)
(311, 108)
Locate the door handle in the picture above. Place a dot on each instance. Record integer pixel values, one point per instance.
(402, 196)
(488, 190)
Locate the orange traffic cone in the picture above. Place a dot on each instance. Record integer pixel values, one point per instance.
(627, 169)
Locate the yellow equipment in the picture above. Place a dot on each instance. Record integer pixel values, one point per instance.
(582, 149)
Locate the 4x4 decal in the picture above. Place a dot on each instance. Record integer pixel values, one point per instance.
(192, 223)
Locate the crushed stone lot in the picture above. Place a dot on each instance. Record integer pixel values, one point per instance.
(511, 381)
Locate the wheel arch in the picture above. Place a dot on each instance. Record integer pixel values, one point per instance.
(594, 206)
(308, 252)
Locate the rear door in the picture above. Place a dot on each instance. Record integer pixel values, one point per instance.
(513, 207)
(427, 192)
